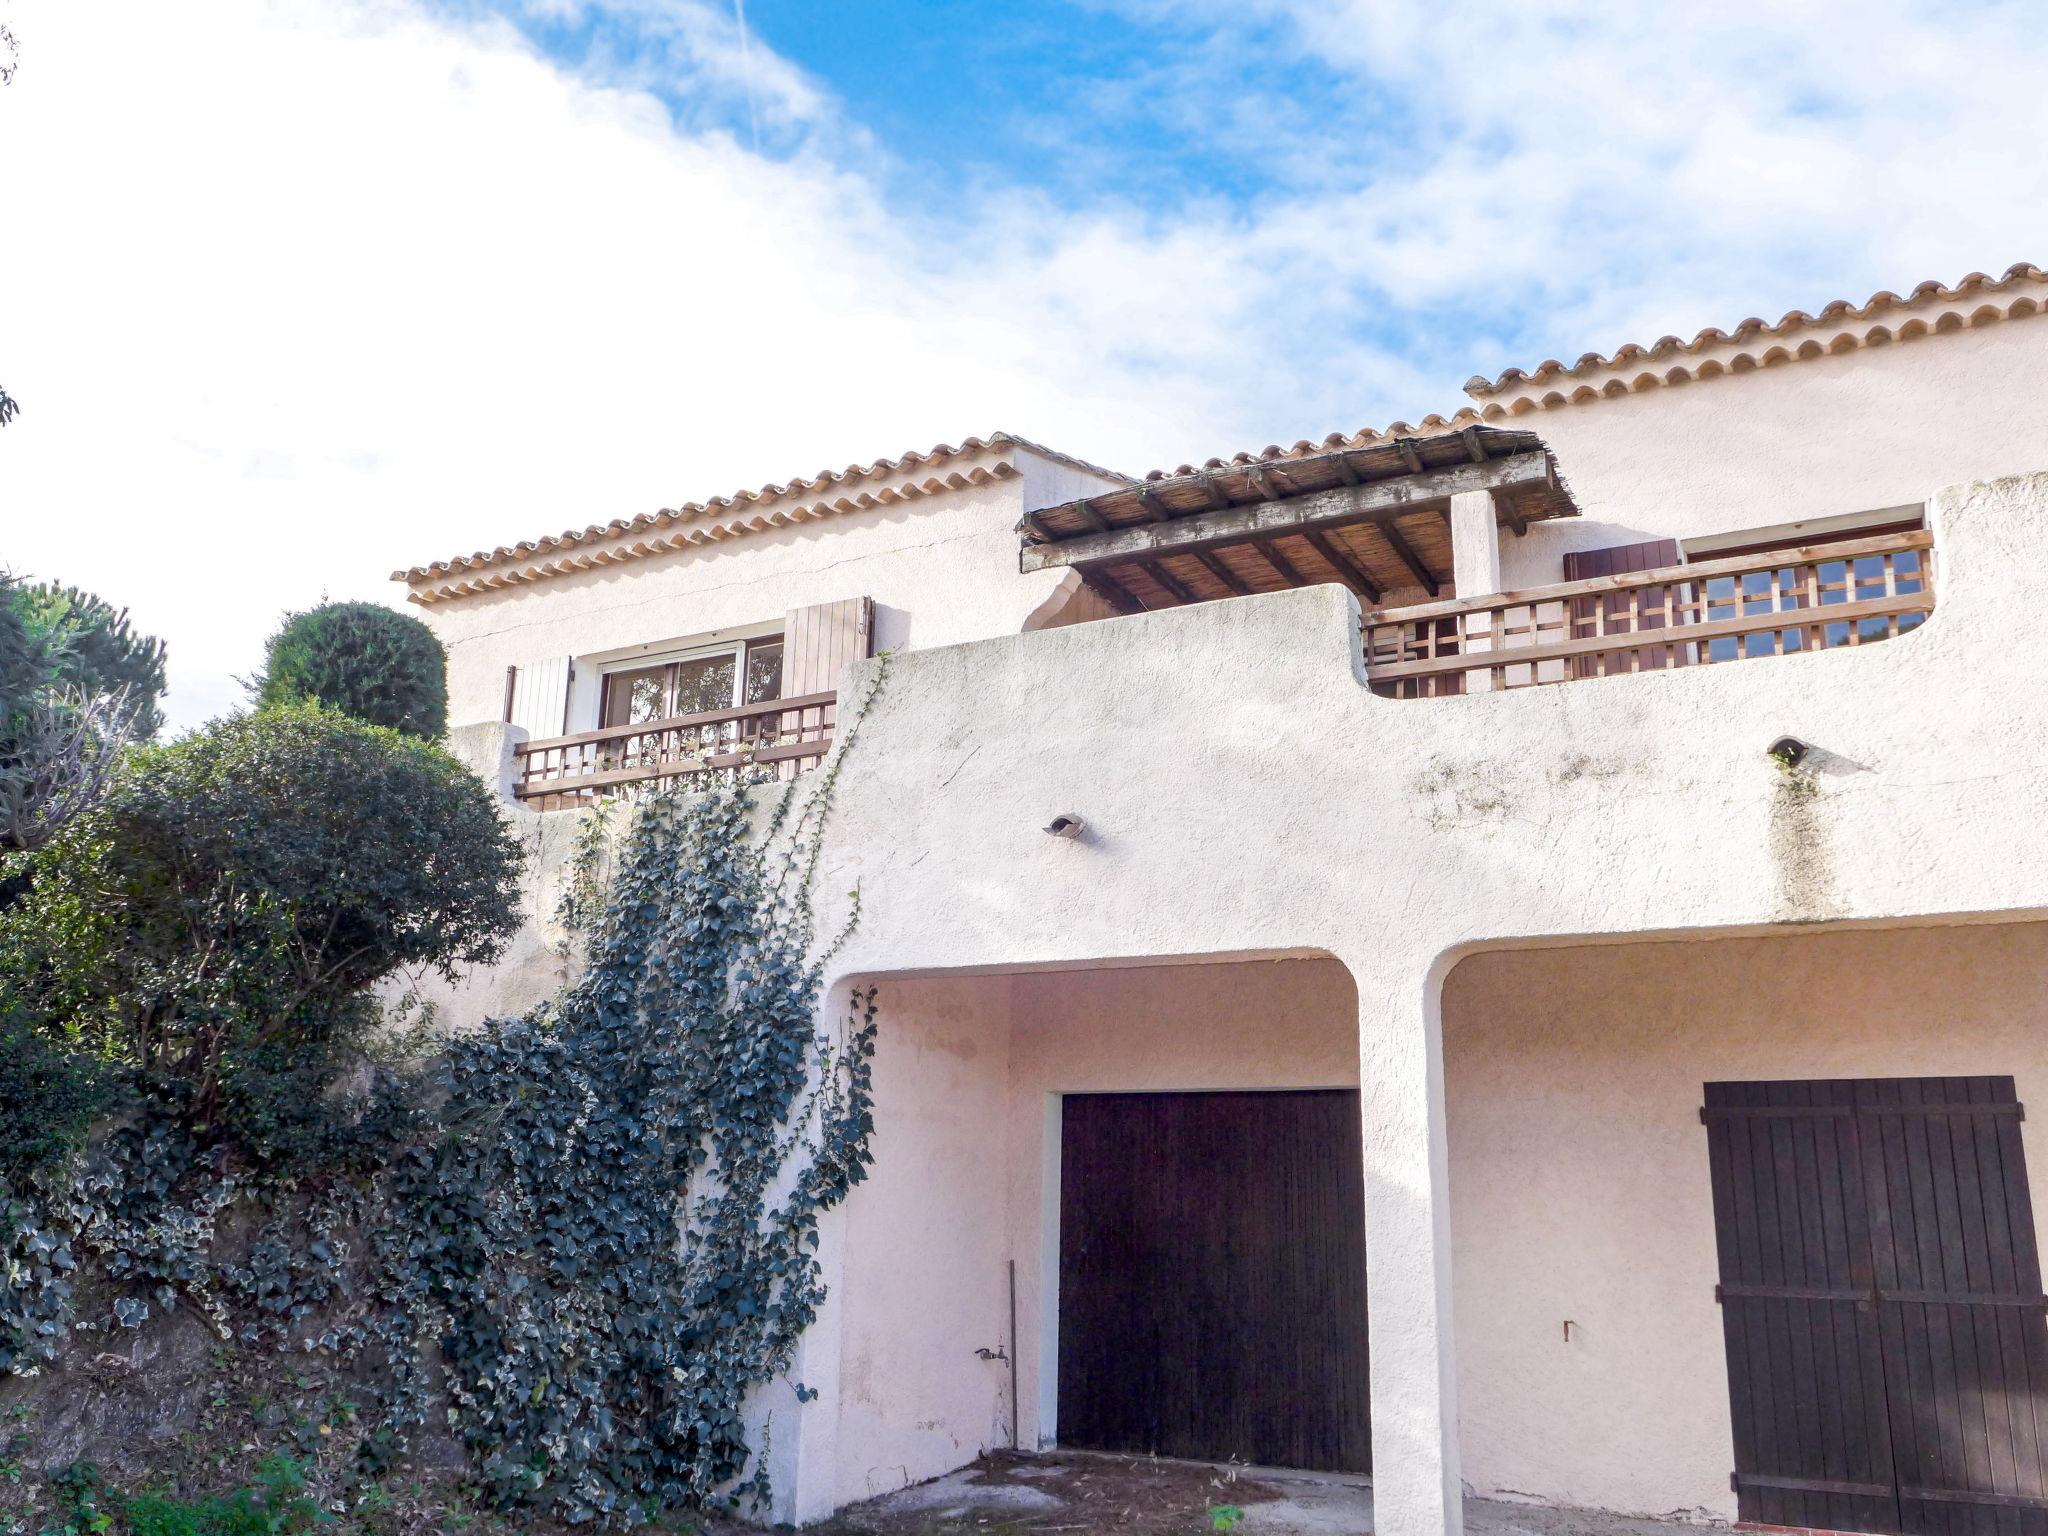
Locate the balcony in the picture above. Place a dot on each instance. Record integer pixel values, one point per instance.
(1768, 603)
(783, 737)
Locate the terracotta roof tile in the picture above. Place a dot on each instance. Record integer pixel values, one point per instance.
(2018, 292)
(975, 461)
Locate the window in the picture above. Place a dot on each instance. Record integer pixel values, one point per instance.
(701, 682)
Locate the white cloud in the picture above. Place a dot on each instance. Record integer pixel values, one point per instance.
(297, 291)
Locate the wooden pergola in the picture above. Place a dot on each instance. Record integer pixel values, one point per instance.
(1374, 518)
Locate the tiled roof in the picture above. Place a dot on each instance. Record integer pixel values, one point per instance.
(1840, 327)
(1367, 437)
(976, 461)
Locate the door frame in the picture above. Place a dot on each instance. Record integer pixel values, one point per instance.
(1051, 1214)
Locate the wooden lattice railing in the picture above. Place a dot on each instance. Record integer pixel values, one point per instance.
(1768, 603)
(784, 735)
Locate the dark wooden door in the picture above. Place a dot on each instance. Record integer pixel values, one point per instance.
(1212, 1277)
(1881, 1305)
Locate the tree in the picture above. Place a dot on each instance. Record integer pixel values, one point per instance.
(77, 684)
(215, 924)
(363, 659)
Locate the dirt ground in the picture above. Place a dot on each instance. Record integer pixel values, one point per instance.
(1061, 1492)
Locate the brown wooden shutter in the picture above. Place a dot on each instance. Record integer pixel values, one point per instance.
(819, 641)
(1587, 612)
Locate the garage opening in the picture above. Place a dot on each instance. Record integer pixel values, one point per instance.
(1212, 1277)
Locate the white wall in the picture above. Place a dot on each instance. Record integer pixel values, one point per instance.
(1878, 427)
(967, 1075)
(941, 568)
(1579, 1179)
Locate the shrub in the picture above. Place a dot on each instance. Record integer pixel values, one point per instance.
(363, 659)
(47, 1095)
(215, 922)
(76, 685)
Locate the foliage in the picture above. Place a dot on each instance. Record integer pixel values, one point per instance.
(1225, 1517)
(215, 923)
(363, 659)
(589, 1245)
(47, 1095)
(678, 1086)
(77, 683)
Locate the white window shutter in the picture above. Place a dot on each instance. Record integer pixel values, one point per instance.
(540, 696)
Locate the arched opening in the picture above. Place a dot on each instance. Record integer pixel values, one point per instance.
(1200, 1119)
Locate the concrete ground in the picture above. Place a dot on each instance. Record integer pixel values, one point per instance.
(1076, 1492)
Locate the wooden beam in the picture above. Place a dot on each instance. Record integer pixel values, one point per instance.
(1355, 575)
(1090, 516)
(1037, 525)
(1218, 502)
(1334, 508)
(1408, 454)
(1508, 514)
(1405, 553)
(1283, 567)
(1345, 469)
(1117, 594)
(1224, 573)
(1469, 436)
(1167, 582)
(1154, 507)
(1266, 488)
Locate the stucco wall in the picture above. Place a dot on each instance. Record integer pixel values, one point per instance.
(1878, 427)
(1246, 793)
(1579, 1179)
(966, 1076)
(941, 568)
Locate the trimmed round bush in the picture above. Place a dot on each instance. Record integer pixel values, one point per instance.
(215, 923)
(363, 659)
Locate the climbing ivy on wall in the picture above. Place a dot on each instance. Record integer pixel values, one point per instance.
(678, 1089)
(582, 1237)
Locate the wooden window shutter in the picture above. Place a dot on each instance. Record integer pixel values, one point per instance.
(820, 640)
(1615, 560)
(540, 697)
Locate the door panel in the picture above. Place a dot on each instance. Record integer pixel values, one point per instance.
(1882, 1306)
(1212, 1277)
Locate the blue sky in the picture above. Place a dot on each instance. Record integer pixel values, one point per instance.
(303, 291)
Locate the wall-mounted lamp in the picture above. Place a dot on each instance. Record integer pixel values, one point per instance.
(1790, 751)
(1066, 824)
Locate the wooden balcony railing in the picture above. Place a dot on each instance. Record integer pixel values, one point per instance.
(1769, 603)
(784, 735)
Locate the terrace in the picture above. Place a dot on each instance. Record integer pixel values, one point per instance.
(1414, 527)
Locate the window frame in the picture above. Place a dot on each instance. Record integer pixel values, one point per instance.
(668, 663)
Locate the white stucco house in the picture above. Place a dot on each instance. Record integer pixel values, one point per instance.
(1546, 990)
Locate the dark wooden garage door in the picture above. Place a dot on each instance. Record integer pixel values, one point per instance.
(1212, 1277)
(1881, 1305)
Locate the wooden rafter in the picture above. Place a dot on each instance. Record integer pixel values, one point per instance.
(1222, 573)
(1405, 553)
(1353, 574)
(1154, 507)
(1375, 501)
(1167, 582)
(1283, 567)
(1115, 592)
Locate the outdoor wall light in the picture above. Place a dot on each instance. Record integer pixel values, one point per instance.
(1789, 751)
(1066, 824)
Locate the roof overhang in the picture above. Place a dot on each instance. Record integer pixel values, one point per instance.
(1375, 519)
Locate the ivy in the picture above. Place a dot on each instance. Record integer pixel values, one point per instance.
(585, 1238)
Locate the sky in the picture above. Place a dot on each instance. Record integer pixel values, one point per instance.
(295, 293)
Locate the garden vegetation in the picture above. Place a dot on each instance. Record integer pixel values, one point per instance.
(559, 1252)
